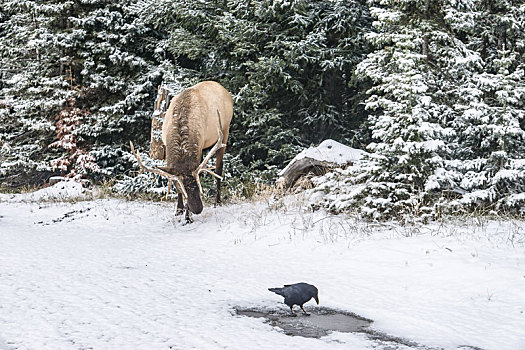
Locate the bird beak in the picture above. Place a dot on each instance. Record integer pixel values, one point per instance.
(317, 299)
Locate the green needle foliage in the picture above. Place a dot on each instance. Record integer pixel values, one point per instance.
(433, 90)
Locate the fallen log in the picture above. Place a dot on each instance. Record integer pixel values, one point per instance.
(318, 161)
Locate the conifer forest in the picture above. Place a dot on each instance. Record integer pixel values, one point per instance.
(432, 90)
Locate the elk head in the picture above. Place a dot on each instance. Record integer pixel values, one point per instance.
(188, 185)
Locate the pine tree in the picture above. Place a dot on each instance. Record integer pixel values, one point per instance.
(406, 120)
(448, 112)
(490, 110)
(118, 67)
(435, 90)
(288, 63)
(95, 56)
(34, 87)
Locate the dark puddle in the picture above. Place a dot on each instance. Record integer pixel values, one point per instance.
(322, 321)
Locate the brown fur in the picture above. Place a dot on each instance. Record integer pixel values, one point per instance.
(182, 153)
(190, 125)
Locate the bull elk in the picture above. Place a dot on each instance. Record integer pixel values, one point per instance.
(197, 118)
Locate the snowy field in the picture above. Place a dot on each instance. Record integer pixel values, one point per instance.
(115, 274)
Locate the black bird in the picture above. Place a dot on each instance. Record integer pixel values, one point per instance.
(297, 294)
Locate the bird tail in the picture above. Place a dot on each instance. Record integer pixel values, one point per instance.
(277, 291)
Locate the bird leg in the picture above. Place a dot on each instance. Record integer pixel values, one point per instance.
(305, 313)
(292, 313)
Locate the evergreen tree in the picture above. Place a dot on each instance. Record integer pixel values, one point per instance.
(447, 121)
(288, 63)
(487, 160)
(91, 56)
(118, 67)
(34, 86)
(406, 123)
(435, 90)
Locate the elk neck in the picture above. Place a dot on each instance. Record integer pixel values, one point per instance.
(183, 153)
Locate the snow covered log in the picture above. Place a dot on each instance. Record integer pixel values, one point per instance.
(318, 160)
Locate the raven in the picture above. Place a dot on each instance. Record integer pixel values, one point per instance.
(297, 294)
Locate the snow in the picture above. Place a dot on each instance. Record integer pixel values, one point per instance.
(61, 191)
(115, 274)
(328, 151)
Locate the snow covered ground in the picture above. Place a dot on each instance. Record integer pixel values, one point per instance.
(115, 274)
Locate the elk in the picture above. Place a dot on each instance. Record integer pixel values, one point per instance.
(197, 118)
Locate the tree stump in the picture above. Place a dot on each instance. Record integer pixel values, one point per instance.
(157, 148)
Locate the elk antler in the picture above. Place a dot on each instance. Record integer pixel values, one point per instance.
(161, 172)
(202, 167)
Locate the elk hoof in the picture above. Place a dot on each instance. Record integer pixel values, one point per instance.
(187, 219)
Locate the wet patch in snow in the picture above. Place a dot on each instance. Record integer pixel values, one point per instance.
(319, 323)
(322, 321)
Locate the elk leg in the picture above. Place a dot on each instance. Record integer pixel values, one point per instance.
(180, 205)
(218, 171)
(188, 218)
